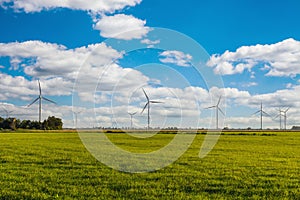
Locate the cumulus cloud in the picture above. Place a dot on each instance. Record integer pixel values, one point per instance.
(176, 57)
(109, 26)
(121, 26)
(18, 87)
(51, 60)
(99, 6)
(279, 59)
(60, 68)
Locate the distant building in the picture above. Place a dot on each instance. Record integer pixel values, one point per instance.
(296, 128)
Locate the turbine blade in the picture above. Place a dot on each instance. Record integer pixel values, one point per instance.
(210, 107)
(256, 112)
(287, 110)
(33, 102)
(132, 113)
(40, 87)
(266, 113)
(221, 111)
(219, 100)
(145, 107)
(48, 100)
(156, 102)
(145, 94)
(276, 116)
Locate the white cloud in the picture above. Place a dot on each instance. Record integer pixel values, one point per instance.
(60, 68)
(244, 84)
(176, 57)
(150, 43)
(121, 26)
(51, 60)
(147, 41)
(250, 84)
(20, 88)
(99, 6)
(110, 26)
(280, 59)
(118, 26)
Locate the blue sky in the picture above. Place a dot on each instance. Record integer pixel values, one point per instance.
(253, 46)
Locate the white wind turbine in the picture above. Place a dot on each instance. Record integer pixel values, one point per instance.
(131, 116)
(261, 111)
(7, 112)
(279, 115)
(147, 105)
(217, 112)
(76, 117)
(40, 98)
(284, 115)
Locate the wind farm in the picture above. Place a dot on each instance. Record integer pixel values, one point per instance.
(281, 114)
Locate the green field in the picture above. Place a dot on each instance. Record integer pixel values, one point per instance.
(241, 166)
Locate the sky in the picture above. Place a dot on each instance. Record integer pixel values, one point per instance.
(94, 58)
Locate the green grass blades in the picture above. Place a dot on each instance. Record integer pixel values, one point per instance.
(57, 166)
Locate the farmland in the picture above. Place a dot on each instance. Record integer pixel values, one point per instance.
(53, 165)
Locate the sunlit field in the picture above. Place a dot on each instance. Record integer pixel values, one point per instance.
(248, 165)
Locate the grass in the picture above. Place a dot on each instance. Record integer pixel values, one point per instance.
(241, 166)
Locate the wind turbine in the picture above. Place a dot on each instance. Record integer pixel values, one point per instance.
(114, 124)
(7, 112)
(279, 115)
(40, 98)
(147, 105)
(261, 111)
(76, 113)
(284, 115)
(217, 112)
(131, 115)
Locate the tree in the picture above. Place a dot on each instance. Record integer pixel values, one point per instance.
(52, 123)
(35, 125)
(25, 124)
(9, 123)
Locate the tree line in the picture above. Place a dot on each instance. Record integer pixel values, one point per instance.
(51, 123)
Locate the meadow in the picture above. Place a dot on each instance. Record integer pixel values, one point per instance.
(56, 165)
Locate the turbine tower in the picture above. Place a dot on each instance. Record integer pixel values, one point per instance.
(131, 115)
(217, 112)
(261, 111)
(147, 105)
(280, 115)
(40, 98)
